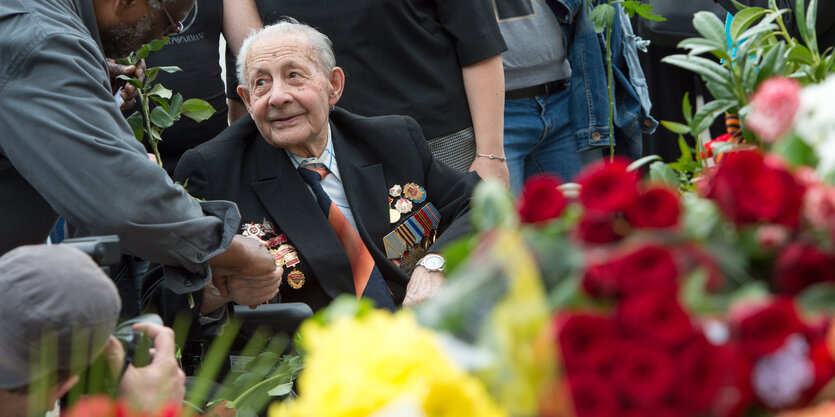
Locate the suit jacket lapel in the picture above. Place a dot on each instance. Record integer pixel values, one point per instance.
(296, 213)
(365, 186)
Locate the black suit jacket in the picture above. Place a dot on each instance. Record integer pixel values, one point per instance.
(373, 155)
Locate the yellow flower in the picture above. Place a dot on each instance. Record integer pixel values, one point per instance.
(357, 366)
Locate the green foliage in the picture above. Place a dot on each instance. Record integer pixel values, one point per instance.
(159, 107)
(760, 48)
(602, 16)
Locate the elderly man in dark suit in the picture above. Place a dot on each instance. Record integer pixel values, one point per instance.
(344, 202)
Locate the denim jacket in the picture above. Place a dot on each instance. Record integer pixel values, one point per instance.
(589, 91)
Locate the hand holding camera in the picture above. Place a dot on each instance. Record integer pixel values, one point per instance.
(161, 381)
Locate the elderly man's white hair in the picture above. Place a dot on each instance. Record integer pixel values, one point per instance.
(317, 41)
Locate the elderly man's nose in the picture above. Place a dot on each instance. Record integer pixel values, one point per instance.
(280, 95)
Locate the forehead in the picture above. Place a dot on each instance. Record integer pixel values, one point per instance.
(280, 48)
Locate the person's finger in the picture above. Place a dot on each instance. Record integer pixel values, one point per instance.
(116, 69)
(162, 336)
(114, 356)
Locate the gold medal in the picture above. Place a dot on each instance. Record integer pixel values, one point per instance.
(296, 279)
(291, 259)
(394, 216)
(279, 260)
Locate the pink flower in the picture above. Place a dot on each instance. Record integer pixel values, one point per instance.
(819, 207)
(774, 106)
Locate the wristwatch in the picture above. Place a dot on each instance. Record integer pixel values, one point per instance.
(432, 262)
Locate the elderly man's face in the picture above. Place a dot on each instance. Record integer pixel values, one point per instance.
(288, 95)
(139, 24)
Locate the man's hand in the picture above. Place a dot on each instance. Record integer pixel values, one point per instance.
(245, 273)
(491, 168)
(162, 382)
(128, 93)
(422, 285)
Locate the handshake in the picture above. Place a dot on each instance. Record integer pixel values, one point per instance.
(245, 273)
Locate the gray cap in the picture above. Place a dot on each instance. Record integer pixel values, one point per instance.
(55, 294)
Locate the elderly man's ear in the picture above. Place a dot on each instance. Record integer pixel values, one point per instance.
(336, 82)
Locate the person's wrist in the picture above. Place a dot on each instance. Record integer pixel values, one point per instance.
(492, 157)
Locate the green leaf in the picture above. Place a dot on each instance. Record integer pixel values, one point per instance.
(160, 91)
(632, 7)
(663, 173)
(135, 122)
(170, 69)
(818, 298)
(686, 153)
(161, 118)
(157, 44)
(686, 108)
(708, 69)
(602, 16)
(749, 73)
(130, 80)
(175, 105)
(281, 390)
(772, 64)
(698, 46)
(196, 109)
(151, 75)
(749, 36)
(795, 151)
(744, 19)
(707, 114)
(677, 128)
(709, 26)
(642, 161)
(799, 54)
(161, 102)
(142, 53)
(492, 206)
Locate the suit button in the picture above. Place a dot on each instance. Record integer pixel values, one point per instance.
(200, 257)
(595, 136)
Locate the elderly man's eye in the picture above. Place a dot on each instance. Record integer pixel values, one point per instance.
(260, 82)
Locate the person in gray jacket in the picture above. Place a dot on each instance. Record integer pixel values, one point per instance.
(66, 149)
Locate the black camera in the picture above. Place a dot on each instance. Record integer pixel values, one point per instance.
(137, 346)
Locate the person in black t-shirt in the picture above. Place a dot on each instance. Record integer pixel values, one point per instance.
(438, 62)
(195, 51)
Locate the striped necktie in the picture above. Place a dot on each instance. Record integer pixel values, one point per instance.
(368, 282)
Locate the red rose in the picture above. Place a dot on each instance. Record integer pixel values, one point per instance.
(586, 343)
(703, 370)
(607, 186)
(709, 145)
(592, 396)
(749, 190)
(801, 265)
(736, 396)
(762, 329)
(644, 374)
(540, 199)
(648, 267)
(656, 207)
(656, 316)
(600, 280)
(598, 228)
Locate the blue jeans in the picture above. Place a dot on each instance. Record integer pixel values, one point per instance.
(538, 138)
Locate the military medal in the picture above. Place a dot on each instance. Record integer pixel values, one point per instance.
(295, 279)
(285, 255)
(395, 191)
(279, 260)
(403, 206)
(414, 192)
(394, 216)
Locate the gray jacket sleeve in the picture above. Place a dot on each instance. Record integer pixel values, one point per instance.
(64, 134)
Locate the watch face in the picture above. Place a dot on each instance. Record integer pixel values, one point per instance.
(434, 263)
